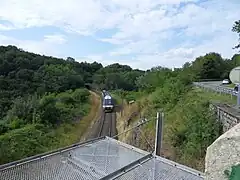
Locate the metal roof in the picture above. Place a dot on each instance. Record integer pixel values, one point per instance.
(102, 158)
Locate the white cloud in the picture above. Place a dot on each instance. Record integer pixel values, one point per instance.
(55, 38)
(98, 58)
(79, 16)
(48, 45)
(137, 47)
(178, 56)
(208, 25)
(171, 58)
(154, 32)
(5, 27)
(67, 14)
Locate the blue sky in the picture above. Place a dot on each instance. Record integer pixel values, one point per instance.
(140, 33)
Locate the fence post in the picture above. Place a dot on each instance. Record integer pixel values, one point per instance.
(218, 114)
(159, 134)
(122, 107)
(238, 95)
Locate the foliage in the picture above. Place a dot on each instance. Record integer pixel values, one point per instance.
(117, 76)
(51, 109)
(153, 78)
(41, 99)
(28, 127)
(197, 128)
(190, 126)
(39, 91)
(23, 73)
(22, 142)
(236, 28)
(235, 173)
(209, 66)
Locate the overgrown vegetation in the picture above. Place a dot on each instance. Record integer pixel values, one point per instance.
(41, 99)
(234, 174)
(33, 125)
(190, 127)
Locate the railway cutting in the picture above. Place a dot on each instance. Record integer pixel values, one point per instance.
(106, 125)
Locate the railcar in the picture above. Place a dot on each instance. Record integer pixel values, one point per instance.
(108, 103)
(103, 93)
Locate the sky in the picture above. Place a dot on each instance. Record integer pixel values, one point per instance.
(139, 33)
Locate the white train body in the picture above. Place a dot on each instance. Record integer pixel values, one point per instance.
(107, 103)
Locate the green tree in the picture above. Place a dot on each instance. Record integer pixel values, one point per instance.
(210, 66)
(236, 28)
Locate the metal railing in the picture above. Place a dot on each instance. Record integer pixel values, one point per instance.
(216, 88)
(104, 159)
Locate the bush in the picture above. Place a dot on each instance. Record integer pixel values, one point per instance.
(20, 143)
(194, 130)
(22, 137)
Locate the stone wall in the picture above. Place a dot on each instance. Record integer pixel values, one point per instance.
(229, 116)
(222, 154)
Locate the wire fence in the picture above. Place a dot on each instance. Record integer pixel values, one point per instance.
(133, 134)
(102, 158)
(216, 88)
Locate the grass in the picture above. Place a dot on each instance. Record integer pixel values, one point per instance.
(231, 85)
(117, 98)
(173, 118)
(72, 133)
(215, 96)
(121, 120)
(93, 115)
(128, 96)
(33, 139)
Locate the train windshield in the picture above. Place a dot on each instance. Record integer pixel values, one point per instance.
(108, 101)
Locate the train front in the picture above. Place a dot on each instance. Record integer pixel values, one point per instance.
(108, 103)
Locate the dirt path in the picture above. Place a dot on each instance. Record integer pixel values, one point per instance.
(93, 115)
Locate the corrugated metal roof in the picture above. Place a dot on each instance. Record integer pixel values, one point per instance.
(104, 158)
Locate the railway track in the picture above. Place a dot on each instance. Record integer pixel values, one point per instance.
(102, 124)
(107, 125)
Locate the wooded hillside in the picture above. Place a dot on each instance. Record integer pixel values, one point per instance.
(40, 95)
